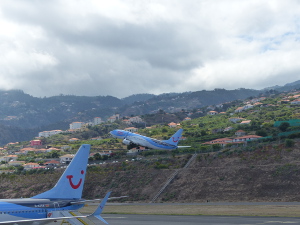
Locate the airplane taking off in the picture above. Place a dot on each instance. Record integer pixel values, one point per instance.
(136, 140)
(55, 203)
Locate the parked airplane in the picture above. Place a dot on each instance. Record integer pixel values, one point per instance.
(53, 204)
(136, 140)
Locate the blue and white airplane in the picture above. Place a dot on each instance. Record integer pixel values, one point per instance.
(136, 140)
(53, 204)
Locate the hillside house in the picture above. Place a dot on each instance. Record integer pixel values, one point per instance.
(248, 106)
(135, 151)
(8, 158)
(65, 148)
(295, 102)
(52, 149)
(49, 133)
(96, 138)
(24, 151)
(52, 163)
(135, 119)
(16, 163)
(172, 124)
(239, 109)
(73, 139)
(29, 166)
(228, 129)
(238, 140)
(245, 122)
(66, 159)
(212, 113)
(131, 129)
(221, 141)
(113, 118)
(126, 121)
(76, 125)
(240, 133)
(35, 143)
(97, 120)
(235, 119)
(108, 153)
(246, 138)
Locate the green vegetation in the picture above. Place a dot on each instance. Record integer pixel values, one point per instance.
(276, 122)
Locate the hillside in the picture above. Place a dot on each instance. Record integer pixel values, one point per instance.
(271, 172)
(24, 115)
(265, 169)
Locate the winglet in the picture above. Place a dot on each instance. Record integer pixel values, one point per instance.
(100, 208)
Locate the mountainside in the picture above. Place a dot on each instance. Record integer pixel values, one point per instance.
(20, 111)
(270, 172)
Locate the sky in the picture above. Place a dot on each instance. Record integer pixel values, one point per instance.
(120, 48)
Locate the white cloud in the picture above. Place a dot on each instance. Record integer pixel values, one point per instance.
(119, 48)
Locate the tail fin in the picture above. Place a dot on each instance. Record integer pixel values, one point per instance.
(70, 184)
(175, 138)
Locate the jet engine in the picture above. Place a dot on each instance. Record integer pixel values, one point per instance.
(126, 142)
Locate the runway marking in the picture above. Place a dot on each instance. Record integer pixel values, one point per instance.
(281, 222)
(119, 217)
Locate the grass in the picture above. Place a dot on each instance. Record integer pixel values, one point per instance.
(217, 210)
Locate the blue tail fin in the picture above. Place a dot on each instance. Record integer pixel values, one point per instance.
(175, 138)
(70, 184)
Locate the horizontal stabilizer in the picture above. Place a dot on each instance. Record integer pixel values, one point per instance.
(100, 208)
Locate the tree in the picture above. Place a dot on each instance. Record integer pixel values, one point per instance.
(289, 143)
(262, 133)
(284, 126)
(97, 156)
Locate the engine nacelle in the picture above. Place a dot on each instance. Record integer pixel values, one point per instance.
(126, 142)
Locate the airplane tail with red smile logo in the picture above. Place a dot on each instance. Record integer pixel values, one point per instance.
(175, 138)
(70, 184)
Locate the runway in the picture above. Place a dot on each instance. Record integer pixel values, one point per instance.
(114, 219)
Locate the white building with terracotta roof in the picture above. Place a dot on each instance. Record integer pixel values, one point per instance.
(240, 133)
(65, 159)
(246, 138)
(8, 158)
(131, 129)
(31, 165)
(49, 133)
(295, 102)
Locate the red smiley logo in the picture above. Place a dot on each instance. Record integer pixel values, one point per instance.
(175, 140)
(75, 186)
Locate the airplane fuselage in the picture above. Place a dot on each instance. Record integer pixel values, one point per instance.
(28, 208)
(56, 203)
(141, 140)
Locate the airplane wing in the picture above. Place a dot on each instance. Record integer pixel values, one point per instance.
(95, 200)
(96, 214)
(41, 220)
